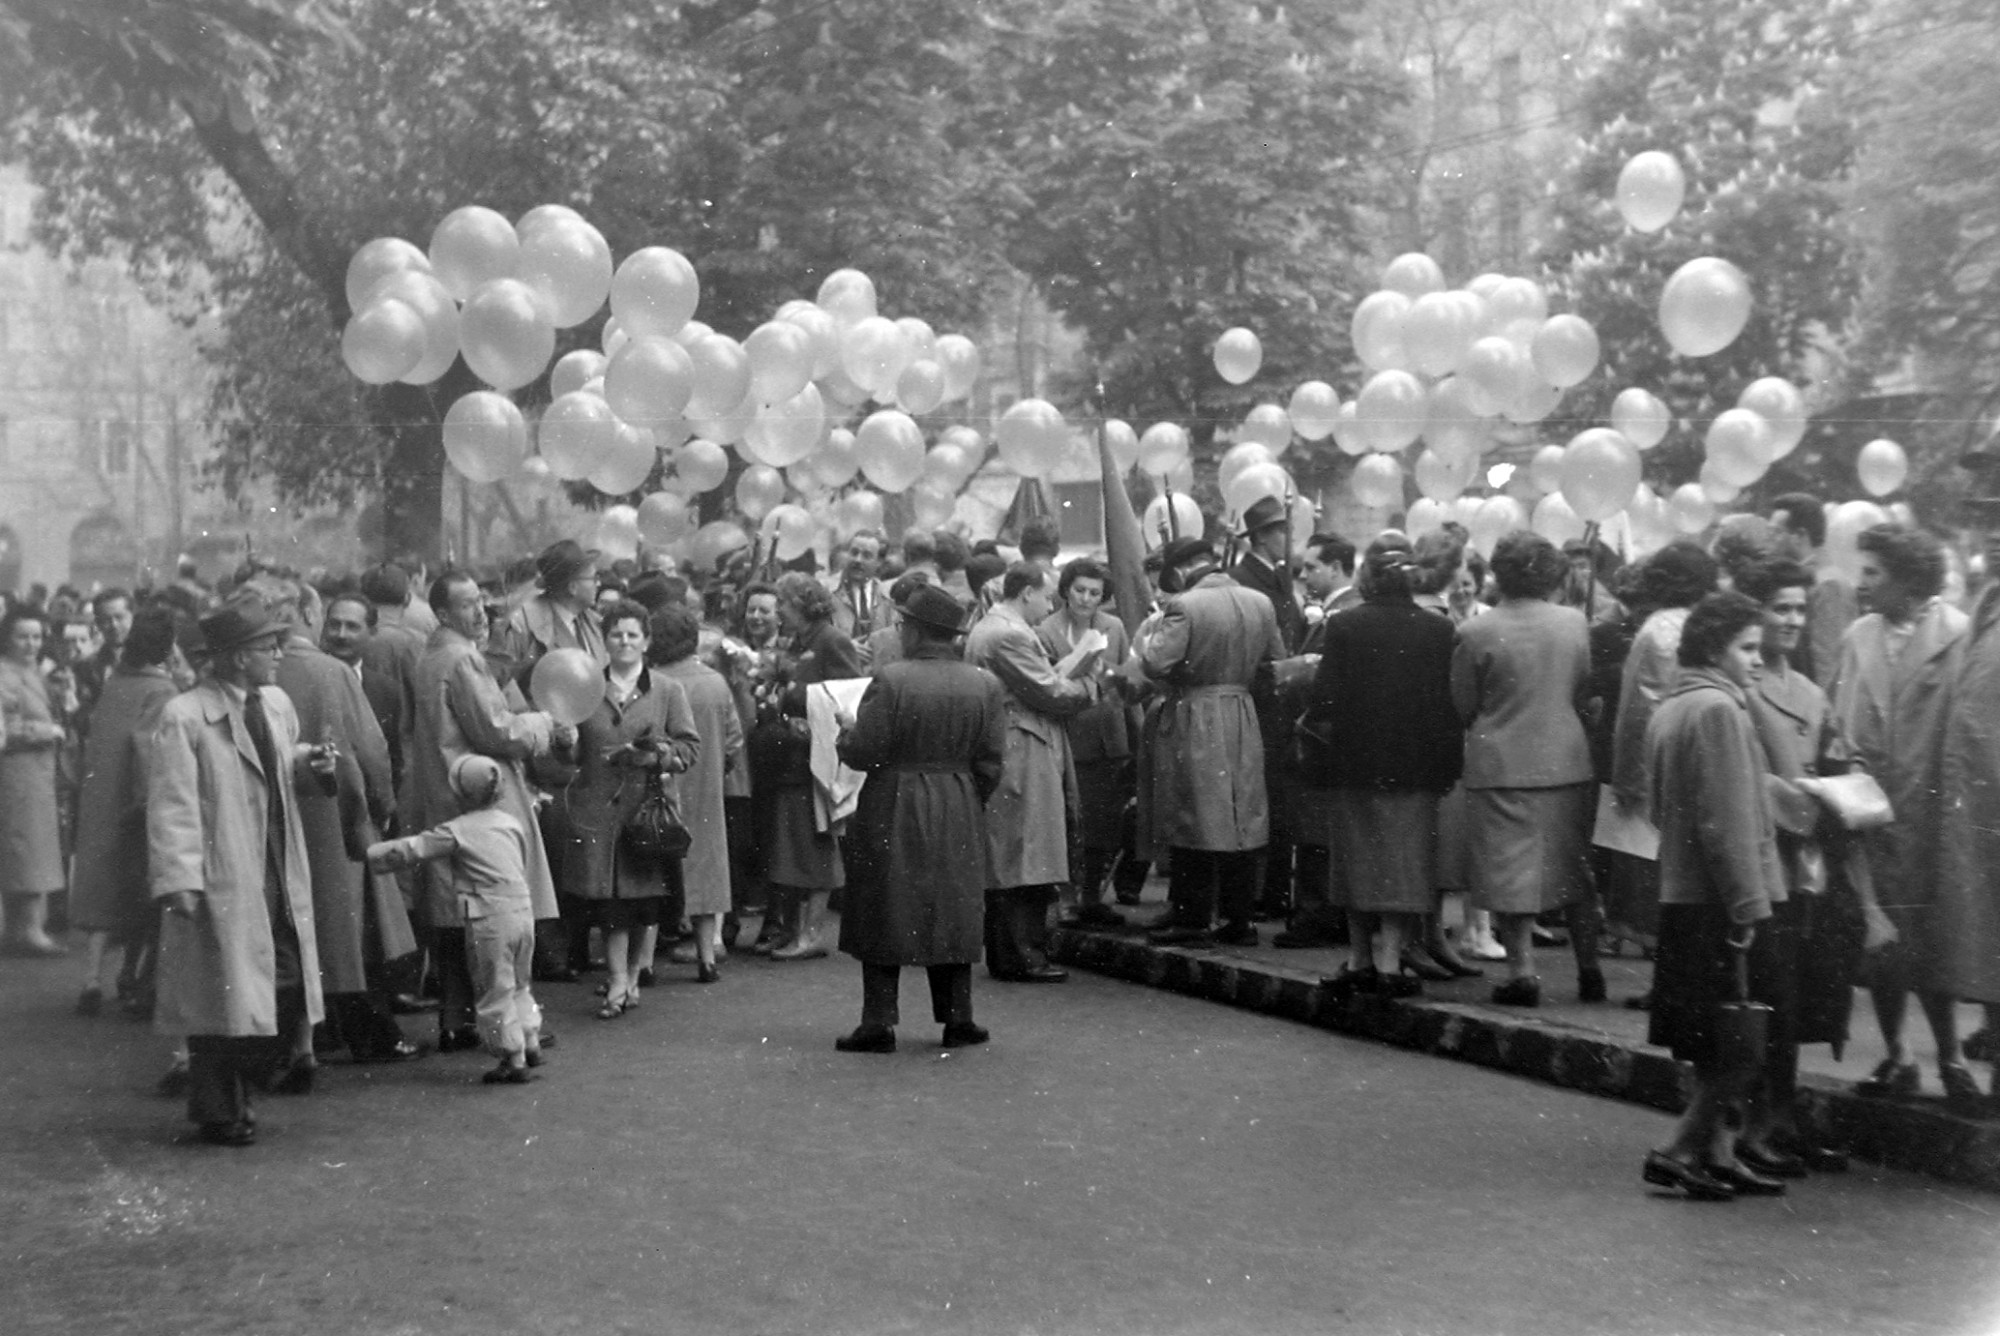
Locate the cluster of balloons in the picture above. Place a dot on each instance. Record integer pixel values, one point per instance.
(663, 387)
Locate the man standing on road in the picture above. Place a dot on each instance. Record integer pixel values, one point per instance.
(1027, 818)
(1205, 798)
(462, 712)
(238, 971)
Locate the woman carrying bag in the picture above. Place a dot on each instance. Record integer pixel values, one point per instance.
(1719, 873)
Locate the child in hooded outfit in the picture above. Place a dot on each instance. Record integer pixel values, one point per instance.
(487, 869)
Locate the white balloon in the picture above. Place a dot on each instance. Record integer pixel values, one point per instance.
(1882, 467)
(1650, 190)
(1413, 274)
(1565, 350)
(485, 436)
(1390, 410)
(1377, 481)
(1031, 437)
(1269, 426)
(1640, 415)
(1377, 331)
(1692, 510)
(1780, 403)
(1238, 356)
(1313, 408)
(1185, 522)
(890, 447)
(1163, 448)
(1123, 443)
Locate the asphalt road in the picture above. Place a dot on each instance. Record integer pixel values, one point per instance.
(1118, 1160)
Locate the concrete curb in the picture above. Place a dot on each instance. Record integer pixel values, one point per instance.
(1918, 1136)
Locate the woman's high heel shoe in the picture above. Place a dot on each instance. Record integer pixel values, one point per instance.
(1419, 962)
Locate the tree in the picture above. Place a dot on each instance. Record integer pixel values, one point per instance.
(1741, 93)
(1180, 168)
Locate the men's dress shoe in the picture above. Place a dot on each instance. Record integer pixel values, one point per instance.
(1519, 993)
(1351, 982)
(1179, 935)
(1590, 986)
(1293, 940)
(457, 1041)
(957, 1034)
(1744, 1181)
(1698, 1183)
(867, 1039)
(1041, 974)
(401, 1051)
(1890, 1079)
(1236, 934)
(1770, 1163)
(507, 1075)
(228, 1134)
(296, 1079)
(645, 979)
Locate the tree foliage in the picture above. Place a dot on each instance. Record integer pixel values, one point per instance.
(1741, 93)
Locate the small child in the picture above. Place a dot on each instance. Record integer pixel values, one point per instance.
(488, 853)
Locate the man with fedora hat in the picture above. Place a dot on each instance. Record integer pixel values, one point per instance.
(1203, 796)
(562, 613)
(238, 968)
(1027, 831)
(1266, 567)
(931, 735)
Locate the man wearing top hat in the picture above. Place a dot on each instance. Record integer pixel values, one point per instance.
(931, 735)
(238, 969)
(1202, 796)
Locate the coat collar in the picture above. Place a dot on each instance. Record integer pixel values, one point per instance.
(1709, 679)
(219, 706)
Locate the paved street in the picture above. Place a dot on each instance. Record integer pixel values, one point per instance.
(1117, 1160)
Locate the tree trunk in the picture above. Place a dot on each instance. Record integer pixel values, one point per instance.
(409, 418)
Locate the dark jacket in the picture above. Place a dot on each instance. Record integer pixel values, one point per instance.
(783, 747)
(1383, 700)
(930, 733)
(1251, 572)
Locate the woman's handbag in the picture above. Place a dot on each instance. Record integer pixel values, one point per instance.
(1742, 1027)
(1856, 799)
(656, 830)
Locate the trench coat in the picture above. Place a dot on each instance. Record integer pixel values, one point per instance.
(600, 797)
(1201, 783)
(108, 886)
(1969, 843)
(206, 821)
(347, 897)
(1027, 827)
(31, 854)
(461, 711)
(705, 869)
(1894, 719)
(931, 735)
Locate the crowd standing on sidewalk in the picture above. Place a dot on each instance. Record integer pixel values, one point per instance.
(283, 811)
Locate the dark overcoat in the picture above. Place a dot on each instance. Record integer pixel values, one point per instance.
(1969, 848)
(1383, 697)
(592, 807)
(108, 890)
(931, 735)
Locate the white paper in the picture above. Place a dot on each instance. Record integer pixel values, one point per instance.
(1090, 642)
(1624, 832)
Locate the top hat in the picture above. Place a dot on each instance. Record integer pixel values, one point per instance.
(238, 625)
(1264, 512)
(931, 606)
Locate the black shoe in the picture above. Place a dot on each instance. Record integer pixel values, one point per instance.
(1351, 982)
(1745, 1182)
(867, 1039)
(1095, 916)
(1518, 993)
(1416, 963)
(957, 1034)
(504, 1074)
(533, 1057)
(1698, 1183)
(1982, 1045)
(1644, 1002)
(646, 978)
(1236, 934)
(402, 1051)
(457, 1041)
(1961, 1092)
(1127, 898)
(1890, 1079)
(228, 1134)
(709, 973)
(1590, 986)
(296, 1079)
(174, 1085)
(1770, 1163)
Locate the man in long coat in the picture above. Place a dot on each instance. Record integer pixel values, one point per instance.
(1027, 827)
(931, 735)
(1969, 851)
(1891, 697)
(462, 712)
(1204, 797)
(238, 965)
(359, 918)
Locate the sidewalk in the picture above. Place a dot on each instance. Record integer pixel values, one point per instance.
(1598, 1047)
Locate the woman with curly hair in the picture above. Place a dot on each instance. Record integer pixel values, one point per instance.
(1520, 677)
(801, 863)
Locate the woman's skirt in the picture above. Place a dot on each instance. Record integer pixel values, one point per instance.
(626, 915)
(795, 854)
(1694, 972)
(1528, 849)
(1385, 850)
(1452, 872)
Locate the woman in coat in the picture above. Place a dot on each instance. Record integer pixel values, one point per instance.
(31, 856)
(705, 870)
(1892, 698)
(802, 862)
(109, 898)
(1394, 748)
(930, 734)
(1718, 875)
(1520, 677)
(642, 725)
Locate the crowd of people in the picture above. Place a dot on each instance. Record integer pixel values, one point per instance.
(281, 813)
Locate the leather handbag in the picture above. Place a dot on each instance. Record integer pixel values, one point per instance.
(1742, 1027)
(655, 830)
